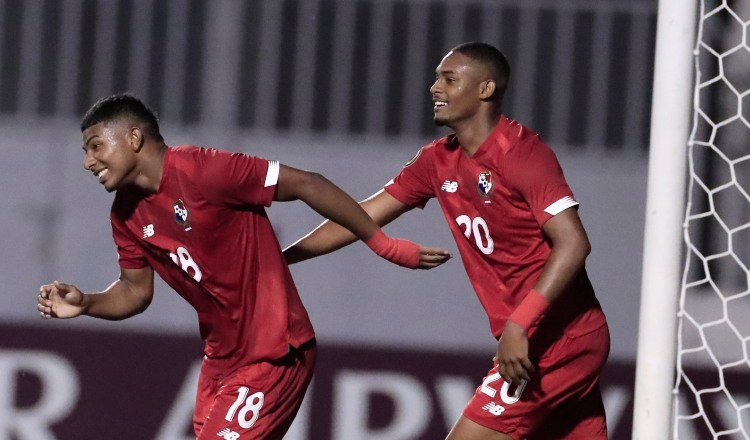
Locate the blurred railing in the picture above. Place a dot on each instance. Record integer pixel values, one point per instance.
(581, 69)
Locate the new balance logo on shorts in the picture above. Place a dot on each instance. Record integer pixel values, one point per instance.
(494, 409)
(226, 434)
(449, 186)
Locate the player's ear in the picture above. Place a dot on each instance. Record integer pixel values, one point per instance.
(487, 89)
(135, 138)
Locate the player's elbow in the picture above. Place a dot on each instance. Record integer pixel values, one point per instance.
(313, 179)
(581, 250)
(574, 249)
(143, 304)
(585, 247)
(311, 183)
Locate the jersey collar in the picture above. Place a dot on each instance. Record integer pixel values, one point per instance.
(496, 139)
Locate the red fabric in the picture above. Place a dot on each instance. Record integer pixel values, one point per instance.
(494, 203)
(396, 250)
(562, 399)
(206, 233)
(530, 310)
(274, 391)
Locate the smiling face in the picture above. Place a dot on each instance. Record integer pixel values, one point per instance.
(110, 153)
(458, 89)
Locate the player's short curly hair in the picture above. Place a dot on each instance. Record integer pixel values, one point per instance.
(122, 105)
(492, 59)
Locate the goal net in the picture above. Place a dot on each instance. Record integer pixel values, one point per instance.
(713, 367)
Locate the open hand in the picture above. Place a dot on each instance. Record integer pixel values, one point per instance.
(59, 300)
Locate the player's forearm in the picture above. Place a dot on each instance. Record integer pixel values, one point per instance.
(329, 236)
(326, 238)
(119, 301)
(565, 263)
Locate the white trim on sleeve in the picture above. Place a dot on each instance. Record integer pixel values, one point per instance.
(560, 205)
(272, 176)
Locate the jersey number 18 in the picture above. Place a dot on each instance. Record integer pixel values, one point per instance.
(183, 259)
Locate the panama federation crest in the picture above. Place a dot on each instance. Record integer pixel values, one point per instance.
(485, 183)
(181, 214)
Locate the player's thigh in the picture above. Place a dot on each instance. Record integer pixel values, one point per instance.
(466, 429)
(582, 419)
(578, 412)
(259, 401)
(567, 372)
(204, 399)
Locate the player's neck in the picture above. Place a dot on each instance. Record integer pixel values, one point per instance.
(151, 168)
(472, 134)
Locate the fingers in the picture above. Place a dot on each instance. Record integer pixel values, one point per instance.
(44, 311)
(44, 302)
(62, 287)
(44, 305)
(425, 250)
(527, 365)
(45, 290)
(432, 257)
(514, 369)
(513, 372)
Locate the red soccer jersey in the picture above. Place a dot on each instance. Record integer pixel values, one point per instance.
(206, 233)
(495, 203)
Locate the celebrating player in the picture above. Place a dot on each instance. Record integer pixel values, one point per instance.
(515, 221)
(196, 216)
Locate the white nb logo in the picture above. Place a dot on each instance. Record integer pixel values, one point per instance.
(226, 434)
(449, 186)
(148, 231)
(493, 408)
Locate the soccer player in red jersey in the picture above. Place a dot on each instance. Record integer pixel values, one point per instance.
(516, 225)
(197, 217)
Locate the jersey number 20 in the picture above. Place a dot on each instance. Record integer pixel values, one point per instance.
(481, 232)
(504, 390)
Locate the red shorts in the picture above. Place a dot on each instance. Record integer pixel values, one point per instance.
(562, 400)
(255, 401)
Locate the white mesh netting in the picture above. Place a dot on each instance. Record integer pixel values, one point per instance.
(713, 368)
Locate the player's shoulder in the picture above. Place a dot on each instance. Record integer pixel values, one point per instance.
(424, 153)
(522, 141)
(441, 146)
(186, 150)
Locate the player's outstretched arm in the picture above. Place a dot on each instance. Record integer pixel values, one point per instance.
(350, 222)
(129, 295)
(570, 247)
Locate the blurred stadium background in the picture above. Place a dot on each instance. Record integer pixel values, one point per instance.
(335, 86)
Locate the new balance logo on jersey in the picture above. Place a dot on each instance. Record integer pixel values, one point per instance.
(226, 434)
(449, 186)
(493, 408)
(148, 231)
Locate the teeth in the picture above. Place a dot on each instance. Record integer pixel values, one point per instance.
(440, 103)
(101, 173)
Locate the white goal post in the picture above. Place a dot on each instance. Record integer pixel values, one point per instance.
(665, 208)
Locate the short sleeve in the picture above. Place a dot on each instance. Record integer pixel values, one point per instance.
(129, 254)
(412, 185)
(535, 173)
(238, 179)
